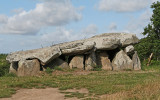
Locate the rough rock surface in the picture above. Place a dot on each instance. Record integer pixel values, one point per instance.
(82, 50)
(104, 61)
(13, 67)
(90, 61)
(77, 62)
(107, 41)
(113, 40)
(129, 49)
(122, 61)
(57, 62)
(28, 67)
(76, 47)
(136, 62)
(45, 55)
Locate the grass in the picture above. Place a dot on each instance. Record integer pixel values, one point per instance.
(97, 68)
(128, 85)
(49, 70)
(75, 94)
(154, 66)
(135, 84)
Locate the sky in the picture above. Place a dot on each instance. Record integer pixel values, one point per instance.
(31, 24)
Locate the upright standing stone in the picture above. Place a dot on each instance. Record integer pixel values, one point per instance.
(77, 62)
(122, 61)
(136, 62)
(104, 61)
(129, 50)
(57, 63)
(13, 67)
(28, 67)
(90, 61)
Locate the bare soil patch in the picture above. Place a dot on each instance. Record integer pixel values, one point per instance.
(76, 72)
(39, 94)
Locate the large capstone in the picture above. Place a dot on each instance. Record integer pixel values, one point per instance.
(28, 67)
(107, 41)
(122, 61)
(113, 40)
(45, 55)
(76, 47)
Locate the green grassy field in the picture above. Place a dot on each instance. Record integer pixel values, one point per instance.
(128, 85)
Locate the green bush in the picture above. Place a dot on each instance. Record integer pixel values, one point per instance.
(155, 62)
(58, 68)
(10, 75)
(154, 65)
(49, 70)
(4, 65)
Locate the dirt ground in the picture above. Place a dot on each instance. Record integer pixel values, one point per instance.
(48, 93)
(39, 94)
(54, 93)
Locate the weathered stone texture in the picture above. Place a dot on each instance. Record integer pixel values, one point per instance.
(90, 61)
(107, 41)
(57, 63)
(77, 62)
(129, 49)
(84, 56)
(122, 61)
(136, 62)
(13, 67)
(28, 67)
(45, 55)
(104, 61)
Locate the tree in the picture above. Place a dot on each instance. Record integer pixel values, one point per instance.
(151, 43)
(153, 29)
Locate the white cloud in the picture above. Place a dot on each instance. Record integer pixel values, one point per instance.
(59, 35)
(81, 8)
(154, 0)
(91, 29)
(64, 35)
(124, 5)
(17, 11)
(3, 19)
(136, 25)
(113, 27)
(48, 13)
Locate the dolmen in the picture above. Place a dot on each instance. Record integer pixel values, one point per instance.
(111, 51)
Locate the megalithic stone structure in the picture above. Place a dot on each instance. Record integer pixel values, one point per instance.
(81, 54)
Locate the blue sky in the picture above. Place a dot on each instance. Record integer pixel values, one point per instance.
(30, 24)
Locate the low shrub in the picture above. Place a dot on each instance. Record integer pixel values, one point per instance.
(10, 75)
(4, 65)
(58, 68)
(49, 70)
(154, 65)
(97, 68)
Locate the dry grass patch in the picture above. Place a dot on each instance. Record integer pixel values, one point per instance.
(117, 84)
